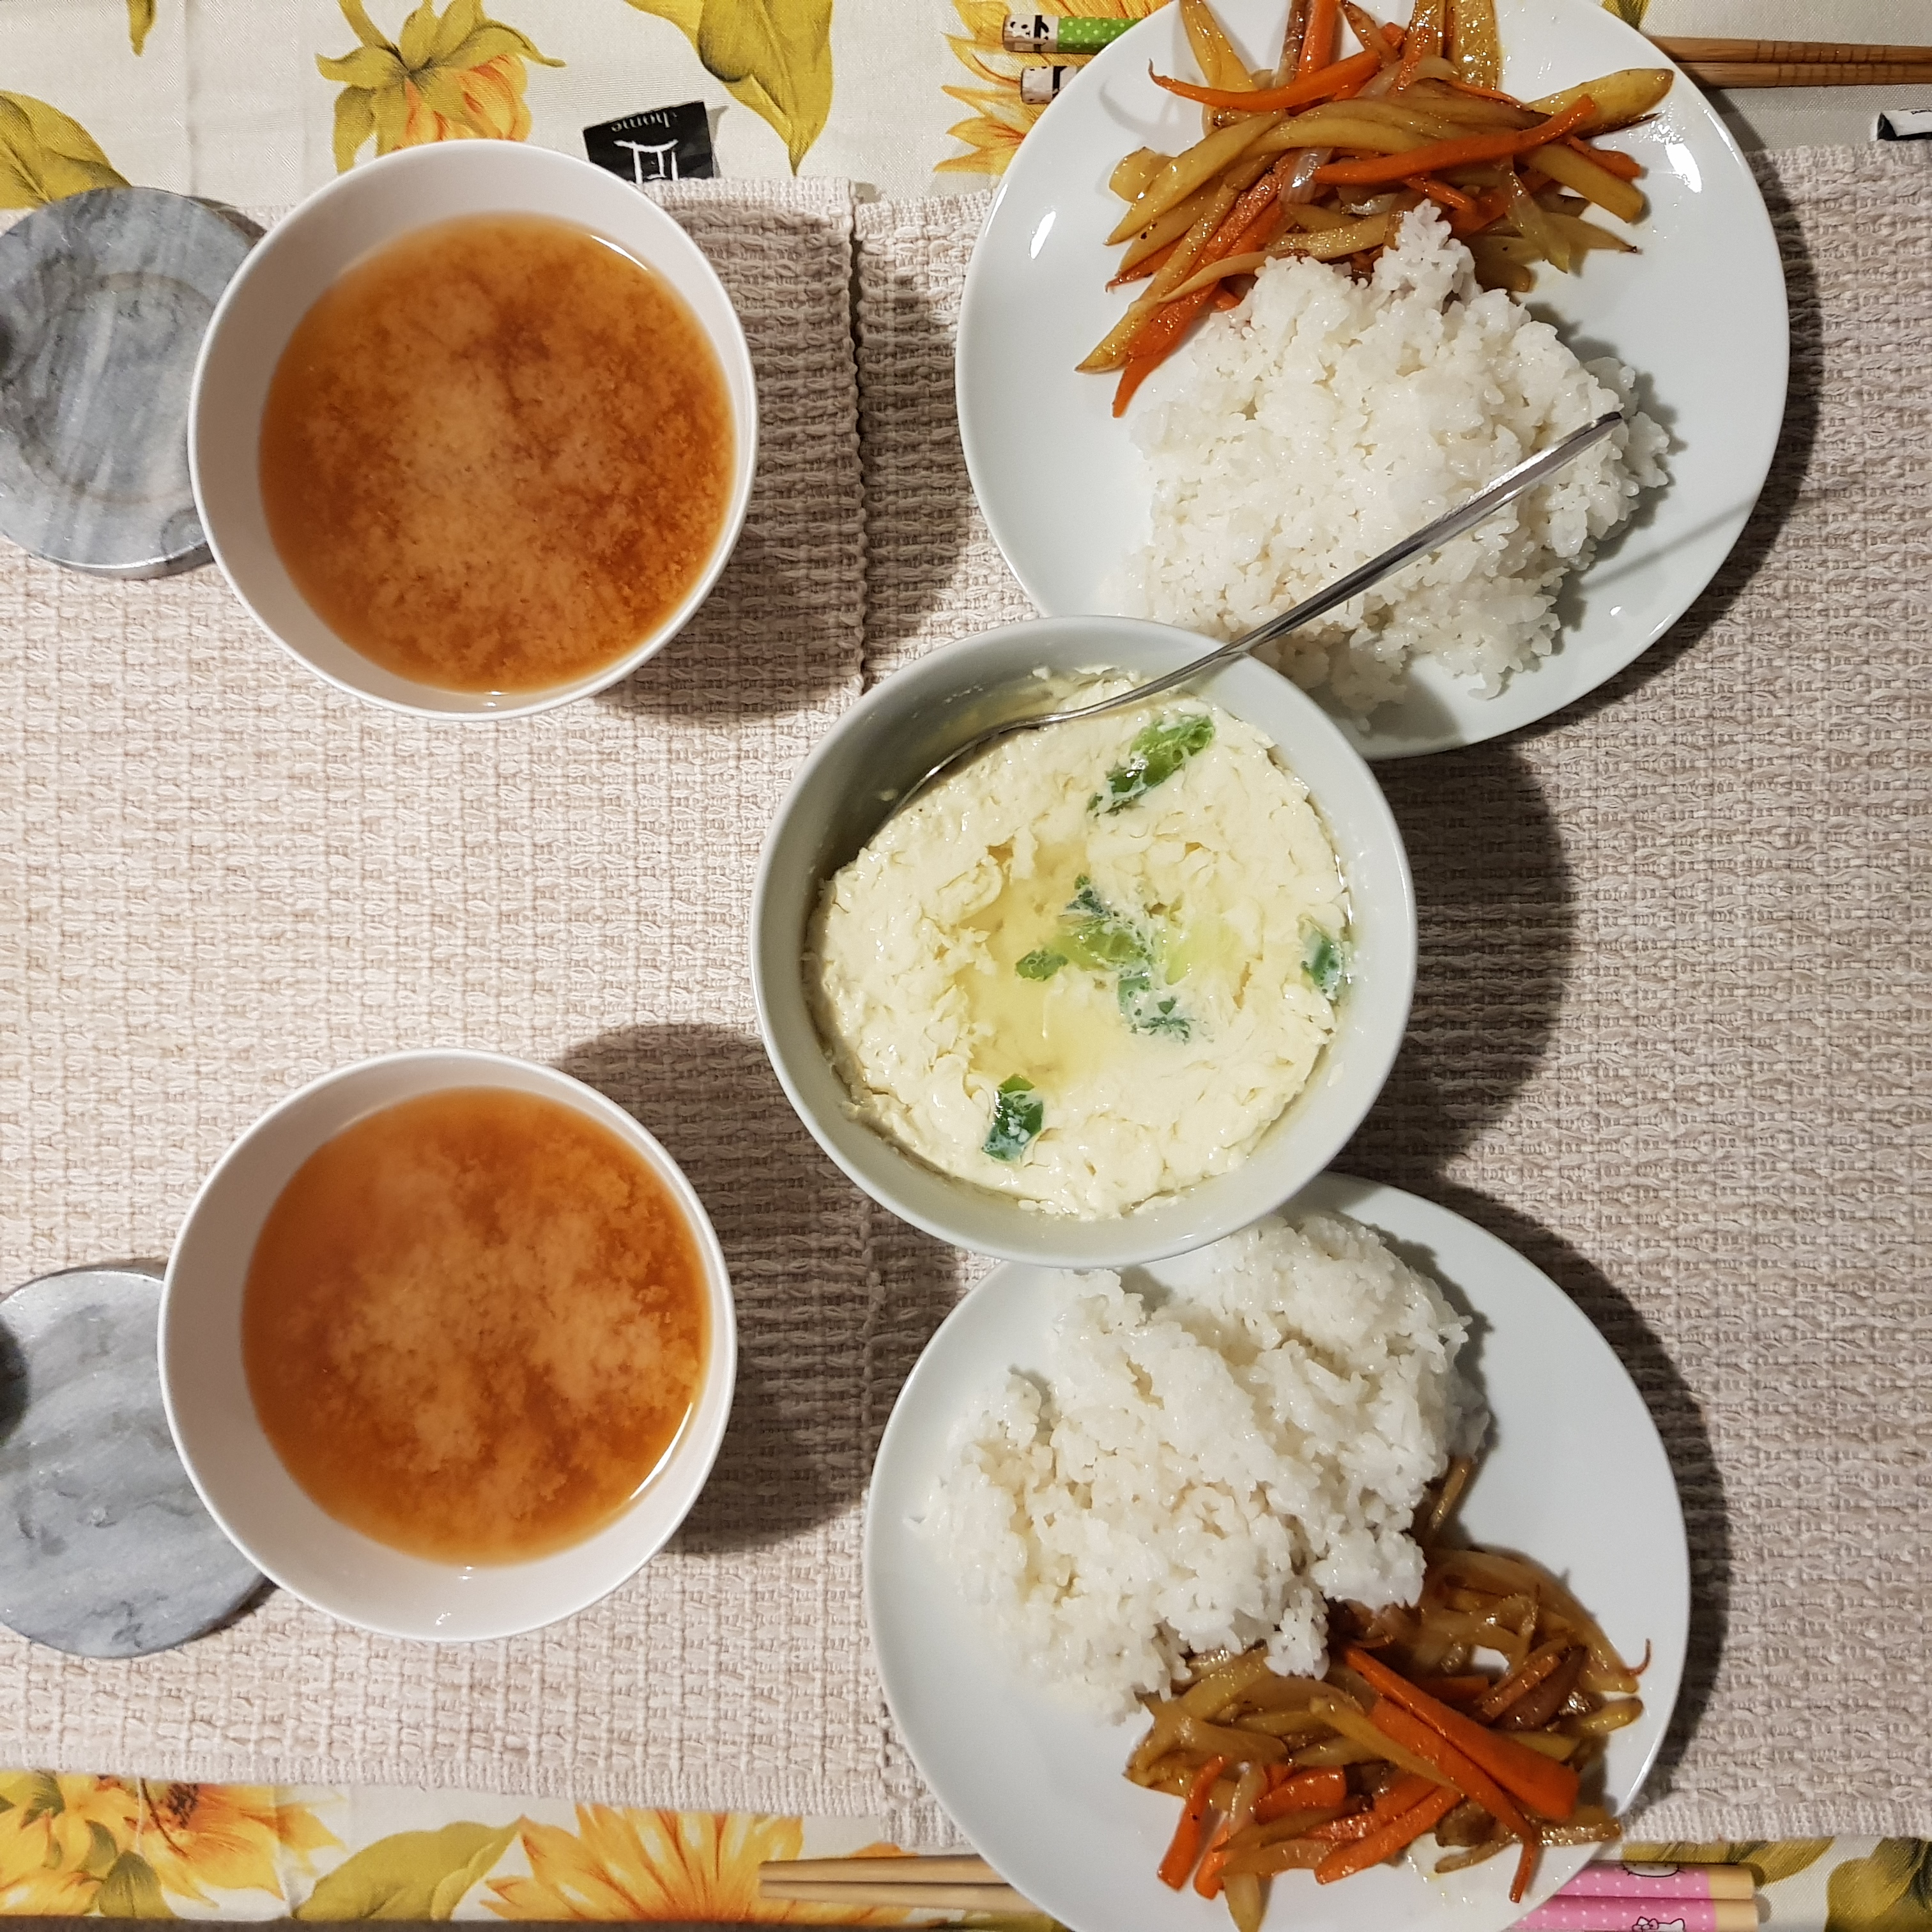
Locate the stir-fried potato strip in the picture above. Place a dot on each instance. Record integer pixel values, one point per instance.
(1618, 98)
(1564, 165)
(1134, 172)
(1413, 1729)
(1342, 128)
(1186, 172)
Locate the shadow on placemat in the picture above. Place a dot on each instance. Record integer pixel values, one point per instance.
(757, 647)
(918, 500)
(1495, 916)
(791, 1455)
(1790, 465)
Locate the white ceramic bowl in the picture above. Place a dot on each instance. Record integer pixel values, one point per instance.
(300, 257)
(900, 731)
(270, 1518)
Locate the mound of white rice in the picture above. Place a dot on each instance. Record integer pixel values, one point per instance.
(1325, 418)
(1202, 1473)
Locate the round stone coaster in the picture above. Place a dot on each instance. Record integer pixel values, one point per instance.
(104, 299)
(105, 1548)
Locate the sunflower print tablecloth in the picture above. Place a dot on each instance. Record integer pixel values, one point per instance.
(77, 1846)
(259, 101)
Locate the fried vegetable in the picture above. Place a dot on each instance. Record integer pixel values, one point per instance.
(1187, 171)
(1475, 45)
(1561, 163)
(1135, 171)
(1213, 52)
(1185, 1847)
(1400, 1832)
(1617, 99)
(1548, 1790)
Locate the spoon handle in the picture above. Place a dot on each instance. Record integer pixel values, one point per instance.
(1506, 488)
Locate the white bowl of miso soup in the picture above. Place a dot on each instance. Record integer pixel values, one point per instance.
(447, 1344)
(473, 430)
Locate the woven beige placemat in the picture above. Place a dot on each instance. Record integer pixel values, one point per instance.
(222, 879)
(1665, 1043)
(1670, 1035)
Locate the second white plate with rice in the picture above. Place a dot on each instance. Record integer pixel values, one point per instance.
(1574, 1475)
(1698, 317)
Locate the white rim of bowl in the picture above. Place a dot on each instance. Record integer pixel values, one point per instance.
(886, 1198)
(445, 155)
(721, 1305)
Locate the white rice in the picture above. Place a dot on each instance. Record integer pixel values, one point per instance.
(1325, 418)
(1201, 1472)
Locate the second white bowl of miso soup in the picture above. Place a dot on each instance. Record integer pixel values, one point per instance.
(473, 430)
(448, 1346)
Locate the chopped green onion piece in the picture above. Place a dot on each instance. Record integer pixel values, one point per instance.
(1019, 1114)
(1324, 959)
(1157, 752)
(1041, 963)
(1107, 942)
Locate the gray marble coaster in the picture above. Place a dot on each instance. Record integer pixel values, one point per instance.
(105, 1549)
(104, 299)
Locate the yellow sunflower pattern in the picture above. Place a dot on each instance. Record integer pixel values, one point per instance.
(774, 56)
(452, 77)
(75, 1846)
(1000, 120)
(628, 1865)
(45, 155)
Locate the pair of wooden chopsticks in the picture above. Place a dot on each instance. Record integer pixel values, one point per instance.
(940, 1884)
(1796, 63)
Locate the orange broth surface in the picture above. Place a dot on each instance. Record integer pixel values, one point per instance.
(474, 1324)
(496, 453)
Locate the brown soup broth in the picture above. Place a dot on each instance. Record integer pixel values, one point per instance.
(474, 1324)
(496, 453)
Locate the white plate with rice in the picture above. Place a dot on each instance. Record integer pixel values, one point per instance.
(1089, 521)
(1573, 1474)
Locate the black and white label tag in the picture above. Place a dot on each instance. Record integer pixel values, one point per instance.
(665, 144)
(1906, 123)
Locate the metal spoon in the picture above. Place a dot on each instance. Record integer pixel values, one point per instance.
(1506, 488)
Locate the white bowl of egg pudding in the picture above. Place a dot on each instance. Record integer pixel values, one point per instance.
(1110, 990)
(447, 1344)
(472, 431)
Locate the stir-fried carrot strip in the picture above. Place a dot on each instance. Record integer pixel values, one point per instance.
(1444, 195)
(1301, 1791)
(1378, 170)
(1533, 1668)
(1547, 1787)
(1463, 86)
(1468, 1686)
(1250, 222)
(1412, 1734)
(1318, 40)
(1525, 1870)
(1186, 1846)
(1345, 1830)
(1475, 1782)
(1424, 39)
(1612, 162)
(1207, 1878)
(1345, 1861)
(1148, 265)
(1299, 92)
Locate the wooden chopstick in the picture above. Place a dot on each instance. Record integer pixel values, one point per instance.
(942, 1884)
(1728, 63)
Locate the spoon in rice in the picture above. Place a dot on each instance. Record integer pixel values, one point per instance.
(1506, 488)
